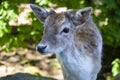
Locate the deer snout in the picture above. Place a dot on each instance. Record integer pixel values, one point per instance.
(41, 48)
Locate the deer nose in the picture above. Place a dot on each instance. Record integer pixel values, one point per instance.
(41, 48)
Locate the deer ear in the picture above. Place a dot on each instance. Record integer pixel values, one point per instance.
(82, 15)
(39, 12)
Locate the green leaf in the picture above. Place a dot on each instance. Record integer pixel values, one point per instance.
(116, 67)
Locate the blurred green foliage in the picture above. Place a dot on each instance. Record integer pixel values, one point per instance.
(17, 36)
(5, 17)
(111, 32)
(116, 67)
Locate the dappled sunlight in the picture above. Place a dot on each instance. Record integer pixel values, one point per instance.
(22, 18)
(28, 61)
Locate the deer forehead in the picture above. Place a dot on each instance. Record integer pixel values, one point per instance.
(55, 20)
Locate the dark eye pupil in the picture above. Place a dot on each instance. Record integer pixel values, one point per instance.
(66, 30)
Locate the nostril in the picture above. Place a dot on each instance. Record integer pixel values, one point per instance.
(41, 48)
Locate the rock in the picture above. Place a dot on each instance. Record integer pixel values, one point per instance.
(25, 76)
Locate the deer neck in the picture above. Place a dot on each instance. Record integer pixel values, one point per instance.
(69, 63)
(74, 64)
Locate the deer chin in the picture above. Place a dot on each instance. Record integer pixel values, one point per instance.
(43, 53)
(54, 51)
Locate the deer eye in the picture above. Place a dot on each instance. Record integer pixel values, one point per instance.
(65, 30)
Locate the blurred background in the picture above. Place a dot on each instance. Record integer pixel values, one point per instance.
(20, 32)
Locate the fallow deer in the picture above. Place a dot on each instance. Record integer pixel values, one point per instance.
(74, 38)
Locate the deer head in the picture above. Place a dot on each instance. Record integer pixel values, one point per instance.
(59, 28)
